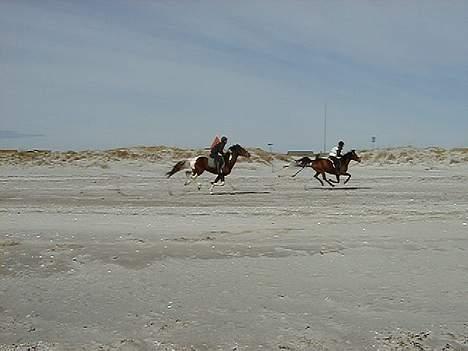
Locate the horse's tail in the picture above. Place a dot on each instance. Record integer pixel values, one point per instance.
(303, 162)
(178, 167)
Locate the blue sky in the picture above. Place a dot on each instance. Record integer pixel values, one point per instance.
(100, 74)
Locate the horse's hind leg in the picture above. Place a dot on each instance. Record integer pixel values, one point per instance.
(337, 179)
(191, 176)
(325, 179)
(347, 179)
(316, 177)
(188, 180)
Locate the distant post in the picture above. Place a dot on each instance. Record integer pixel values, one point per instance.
(325, 128)
(373, 141)
(270, 147)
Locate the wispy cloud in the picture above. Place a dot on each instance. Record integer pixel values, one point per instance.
(11, 134)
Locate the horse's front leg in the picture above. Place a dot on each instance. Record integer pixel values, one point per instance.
(218, 177)
(215, 183)
(347, 179)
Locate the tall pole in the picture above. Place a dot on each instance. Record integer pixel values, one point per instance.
(325, 129)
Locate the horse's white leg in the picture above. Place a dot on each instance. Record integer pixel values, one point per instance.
(187, 176)
(215, 184)
(193, 178)
(190, 178)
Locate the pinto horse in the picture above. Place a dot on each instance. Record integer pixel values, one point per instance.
(200, 164)
(325, 165)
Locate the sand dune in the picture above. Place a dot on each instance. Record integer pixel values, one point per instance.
(88, 158)
(432, 156)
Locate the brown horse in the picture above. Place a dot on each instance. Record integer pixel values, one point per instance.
(325, 165)
(200, 164)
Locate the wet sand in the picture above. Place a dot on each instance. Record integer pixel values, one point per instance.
(120, 258)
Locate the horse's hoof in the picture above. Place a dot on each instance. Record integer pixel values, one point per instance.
(221, 184)
(199, 187)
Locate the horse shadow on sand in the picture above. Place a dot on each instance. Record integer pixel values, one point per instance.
(346, 188)
(242, 193)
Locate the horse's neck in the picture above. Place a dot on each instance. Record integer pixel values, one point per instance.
(345, 160)
(232, 161)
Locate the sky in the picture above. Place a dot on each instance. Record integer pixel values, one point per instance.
(117, 73)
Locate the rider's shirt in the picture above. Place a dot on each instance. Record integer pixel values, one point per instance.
(218, 149)
(335, 152)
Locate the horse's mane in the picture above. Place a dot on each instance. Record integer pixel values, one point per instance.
(349, 153)
(235, 146)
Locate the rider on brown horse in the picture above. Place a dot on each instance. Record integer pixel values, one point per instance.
(335, 155)
(217, 153)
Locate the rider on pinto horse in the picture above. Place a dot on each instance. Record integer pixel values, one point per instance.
(217, 153)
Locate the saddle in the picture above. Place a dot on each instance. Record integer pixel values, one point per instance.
(211, 162)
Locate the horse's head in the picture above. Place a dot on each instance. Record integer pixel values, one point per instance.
(354, 156)
(239, 150)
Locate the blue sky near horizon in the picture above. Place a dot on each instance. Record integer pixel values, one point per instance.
(88, 74)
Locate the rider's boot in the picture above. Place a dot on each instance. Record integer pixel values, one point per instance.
(337, 168)
(218, 171)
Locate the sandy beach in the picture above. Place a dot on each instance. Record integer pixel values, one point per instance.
(110, 255)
